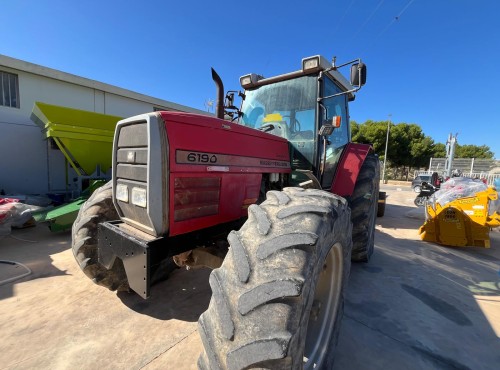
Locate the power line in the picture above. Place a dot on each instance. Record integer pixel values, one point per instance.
(369, 18)
(404, 9)
(343, 16)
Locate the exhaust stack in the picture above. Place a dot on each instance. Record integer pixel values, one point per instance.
(219, 108)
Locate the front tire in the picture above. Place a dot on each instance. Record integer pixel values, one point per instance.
(278, 297)
(98, 208)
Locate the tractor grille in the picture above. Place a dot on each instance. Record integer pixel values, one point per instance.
(132, 168)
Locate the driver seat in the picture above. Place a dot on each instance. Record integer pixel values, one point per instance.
(275, 125)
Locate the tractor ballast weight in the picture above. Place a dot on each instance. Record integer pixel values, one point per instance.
(279, 171)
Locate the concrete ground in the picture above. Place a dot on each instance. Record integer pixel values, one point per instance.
(414, 306)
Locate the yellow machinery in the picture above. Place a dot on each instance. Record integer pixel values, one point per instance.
(462, 222)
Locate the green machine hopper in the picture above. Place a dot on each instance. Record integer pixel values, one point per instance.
(86, 140)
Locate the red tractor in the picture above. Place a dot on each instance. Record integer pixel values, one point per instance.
(280, 170)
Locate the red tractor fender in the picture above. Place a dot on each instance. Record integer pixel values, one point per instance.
(348, 168)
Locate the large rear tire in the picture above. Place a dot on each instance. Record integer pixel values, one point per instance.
(98, 208)
(277, 299)
(364, 204)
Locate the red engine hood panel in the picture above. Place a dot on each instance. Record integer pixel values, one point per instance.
(215, 169)
(215, 145)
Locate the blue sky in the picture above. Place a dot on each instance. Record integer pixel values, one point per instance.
(436, 65)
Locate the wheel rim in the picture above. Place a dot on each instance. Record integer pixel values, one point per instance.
(324, 309)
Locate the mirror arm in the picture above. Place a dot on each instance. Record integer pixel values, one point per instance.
(358, 60)
(338, 94)
(325, 110)
(334, 68)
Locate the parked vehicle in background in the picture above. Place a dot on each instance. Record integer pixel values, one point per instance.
(416, 184)
(426, 191)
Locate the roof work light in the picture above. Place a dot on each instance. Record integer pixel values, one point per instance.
(315, 63)
(249, 80)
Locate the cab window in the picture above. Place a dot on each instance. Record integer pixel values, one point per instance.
(290, 106)
(336, 106)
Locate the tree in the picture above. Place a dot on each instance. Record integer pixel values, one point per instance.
(439, 150)
(413, 148)
(371, 132)
(463, 151)
(473, 151)
(421, 151)
(354, 128)
(408, 145)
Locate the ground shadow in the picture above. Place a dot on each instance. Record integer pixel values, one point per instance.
(402, 217)
(183, 296)
(32, 247)
(416, 305)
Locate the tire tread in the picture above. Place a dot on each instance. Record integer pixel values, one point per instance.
(263, 280)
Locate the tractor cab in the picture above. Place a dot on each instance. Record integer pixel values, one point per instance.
(309, 108)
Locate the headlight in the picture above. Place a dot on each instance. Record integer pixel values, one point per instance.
(139, 197)
(122, 193)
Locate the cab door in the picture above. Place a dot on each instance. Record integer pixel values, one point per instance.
(335, 143)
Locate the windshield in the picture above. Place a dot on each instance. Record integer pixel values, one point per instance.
(291, 106)
(292, 100)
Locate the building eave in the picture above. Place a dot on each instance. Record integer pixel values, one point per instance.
(21, 65)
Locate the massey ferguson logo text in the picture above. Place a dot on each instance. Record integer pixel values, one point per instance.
(274, 163)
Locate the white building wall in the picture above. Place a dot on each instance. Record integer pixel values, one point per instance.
(99, 101)
(23, 156)
(27, 164)
(34, 88)
(116, 105)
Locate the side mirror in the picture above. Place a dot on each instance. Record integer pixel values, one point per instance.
(229, 103)
(358, 74)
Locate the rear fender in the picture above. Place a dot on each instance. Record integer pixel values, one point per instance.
(348, 168)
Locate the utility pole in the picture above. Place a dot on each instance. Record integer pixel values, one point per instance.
(450, 154)
(386, 145)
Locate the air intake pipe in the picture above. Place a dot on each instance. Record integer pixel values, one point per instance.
(219, 108)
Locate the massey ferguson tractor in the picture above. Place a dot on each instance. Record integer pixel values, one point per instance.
(272, 195)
